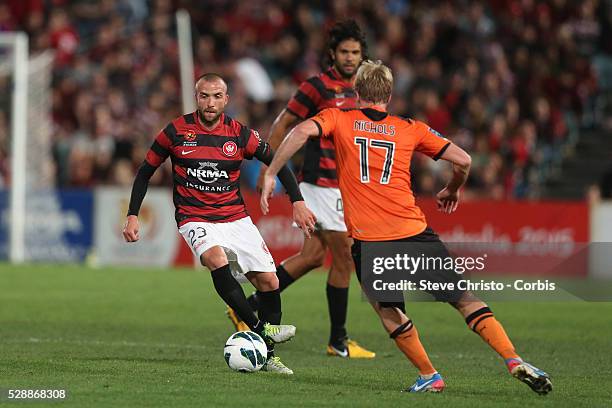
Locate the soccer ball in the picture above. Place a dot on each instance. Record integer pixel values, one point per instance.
(245, 351)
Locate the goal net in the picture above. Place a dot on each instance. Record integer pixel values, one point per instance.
(28, 204)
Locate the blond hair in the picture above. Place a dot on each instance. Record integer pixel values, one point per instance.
(374, 82)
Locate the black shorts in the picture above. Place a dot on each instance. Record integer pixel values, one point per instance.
(427, 244)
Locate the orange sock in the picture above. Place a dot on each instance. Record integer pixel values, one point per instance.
(490, 330)
(407, 339)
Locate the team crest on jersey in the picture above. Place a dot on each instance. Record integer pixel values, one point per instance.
(190, 136)
(230, 149)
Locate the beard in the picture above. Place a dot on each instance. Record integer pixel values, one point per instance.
(207, 122)
(343, 73)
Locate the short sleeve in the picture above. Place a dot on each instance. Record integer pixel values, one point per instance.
(430, 141)
(253, 142)
(160, 149)
(305, 101)
(326, 121)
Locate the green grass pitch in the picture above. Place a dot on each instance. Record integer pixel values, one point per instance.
(142, 337)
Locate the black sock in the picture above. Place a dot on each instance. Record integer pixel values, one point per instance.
(270, 311)
(270, 306)
(284, 279)
(254, 301)
(337, 303)
(231, 292)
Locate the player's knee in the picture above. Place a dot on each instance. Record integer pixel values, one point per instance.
(340, 276)
(267, 282)
(343, 261)
(342, 256)
(467, 302)
(213, 259)
(314, 259)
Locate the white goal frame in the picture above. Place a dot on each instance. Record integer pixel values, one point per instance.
(17, 44)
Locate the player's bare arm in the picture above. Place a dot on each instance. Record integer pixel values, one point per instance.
(302, 215)
(448, 197)
(292, 143)
(279, 129)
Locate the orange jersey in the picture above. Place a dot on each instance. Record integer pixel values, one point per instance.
(373, 154)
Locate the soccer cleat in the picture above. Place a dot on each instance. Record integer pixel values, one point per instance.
(433, 384)
(350, 349)
(278, 333)
(275, 365)
(535, 378)
(238, 323)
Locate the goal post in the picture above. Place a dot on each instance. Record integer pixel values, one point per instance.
(183, 28)
(17, 46)
(26, 82)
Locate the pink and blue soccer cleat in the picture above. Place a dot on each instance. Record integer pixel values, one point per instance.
(433, 384)
(535, 378)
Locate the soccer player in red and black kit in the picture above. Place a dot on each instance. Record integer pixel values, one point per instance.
(332, 88)
(207, 148)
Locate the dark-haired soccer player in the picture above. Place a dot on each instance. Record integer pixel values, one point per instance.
(207, 148)
(374, 150)
(319, 184)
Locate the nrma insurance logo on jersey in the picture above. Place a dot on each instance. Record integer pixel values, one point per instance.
(207, 172)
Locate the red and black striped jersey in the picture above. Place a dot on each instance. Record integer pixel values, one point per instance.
(326, 90)
(205, 166)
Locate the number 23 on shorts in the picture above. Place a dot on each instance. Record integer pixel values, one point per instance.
(195, 235)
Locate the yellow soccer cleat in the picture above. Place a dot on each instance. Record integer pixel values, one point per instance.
(238, 323)
(275, 365)
(351, 349)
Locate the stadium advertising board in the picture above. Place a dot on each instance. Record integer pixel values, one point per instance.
(545, 227)
(529, 238)
(507, 221)
(601, 236)
(553, 228)
(282, 239)
(59, 226)
(159, 238)
(4, 225)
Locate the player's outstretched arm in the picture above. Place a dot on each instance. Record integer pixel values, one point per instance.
(283, 122)
(265, 154)
(280, 127)
(302, 215)
(292, 143)
(448, 197)
(139, 189)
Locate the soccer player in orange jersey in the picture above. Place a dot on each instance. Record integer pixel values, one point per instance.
(319, 186)
(373, 153)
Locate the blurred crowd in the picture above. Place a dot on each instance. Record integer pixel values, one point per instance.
(511, 81)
